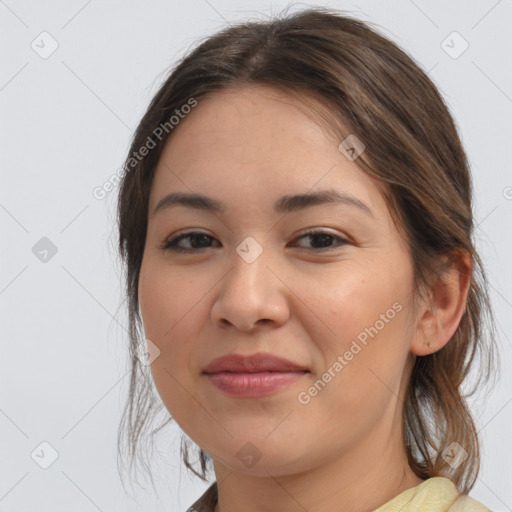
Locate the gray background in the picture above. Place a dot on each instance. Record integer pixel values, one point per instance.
(66, 122)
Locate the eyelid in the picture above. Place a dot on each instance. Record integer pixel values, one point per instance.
(170, 243)
(320, 231)
(344, 240)
(172, 239)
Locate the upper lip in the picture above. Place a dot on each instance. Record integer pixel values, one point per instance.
(252, 363)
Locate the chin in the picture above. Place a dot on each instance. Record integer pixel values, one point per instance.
(260, 457)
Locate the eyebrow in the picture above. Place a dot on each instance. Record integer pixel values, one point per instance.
(285, 204)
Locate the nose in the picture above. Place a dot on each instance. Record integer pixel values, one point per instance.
(251, 295)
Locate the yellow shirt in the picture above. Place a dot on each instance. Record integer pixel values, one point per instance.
(436, 494)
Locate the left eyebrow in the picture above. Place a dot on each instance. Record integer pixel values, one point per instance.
(288, 203)
(299, 201)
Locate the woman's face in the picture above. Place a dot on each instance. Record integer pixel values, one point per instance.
(337, 303)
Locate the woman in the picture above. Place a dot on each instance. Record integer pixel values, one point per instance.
(296, 224)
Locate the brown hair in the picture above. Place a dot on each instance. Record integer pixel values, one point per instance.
(374, 90)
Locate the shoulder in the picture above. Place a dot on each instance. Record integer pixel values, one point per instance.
(436, 494)
(466, 503)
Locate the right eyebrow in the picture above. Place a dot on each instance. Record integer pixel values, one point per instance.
(196, 201)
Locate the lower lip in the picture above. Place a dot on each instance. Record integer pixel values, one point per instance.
(253, 384)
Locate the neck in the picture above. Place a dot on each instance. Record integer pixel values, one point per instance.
(361, 480)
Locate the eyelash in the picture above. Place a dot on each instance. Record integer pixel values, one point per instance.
(171, 244)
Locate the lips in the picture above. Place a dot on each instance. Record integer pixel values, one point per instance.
(254, 375)
(253, 363)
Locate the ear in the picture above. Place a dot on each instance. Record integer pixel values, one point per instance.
(439, 317)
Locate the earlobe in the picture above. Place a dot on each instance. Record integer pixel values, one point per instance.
(438, 320)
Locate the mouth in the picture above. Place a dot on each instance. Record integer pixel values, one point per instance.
(254, 375)
(253, 384)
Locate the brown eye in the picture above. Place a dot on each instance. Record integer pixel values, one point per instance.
(323, 240)
(195, 242)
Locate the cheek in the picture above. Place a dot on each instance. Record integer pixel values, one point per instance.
(361, 359)
(170, 301)
(362, 308)
(171, 308)
(354, 297)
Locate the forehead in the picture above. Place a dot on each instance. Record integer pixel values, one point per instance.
(255, 144)
(249, 120)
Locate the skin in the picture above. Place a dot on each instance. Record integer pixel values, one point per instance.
(343, 450)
